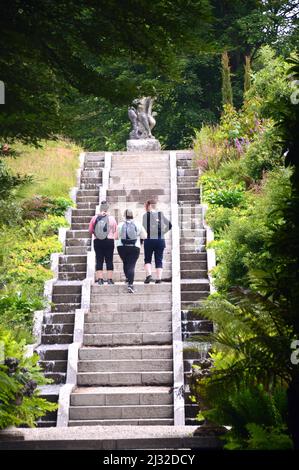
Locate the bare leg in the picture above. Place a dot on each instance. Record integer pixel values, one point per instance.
(99, 275)
(159, 273)
(148, 269)
(110, 274)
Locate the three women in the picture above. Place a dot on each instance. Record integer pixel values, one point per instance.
(129, 235)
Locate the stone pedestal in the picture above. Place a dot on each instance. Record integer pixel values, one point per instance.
(143, 145)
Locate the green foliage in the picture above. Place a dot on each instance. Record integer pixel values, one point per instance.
(19, 378)
(16, 313)
(227, 92)
(78, 46)
(219, 192)
(247, 383)
(247, 74)
(264, 154)
(9, 181)
(39, 206)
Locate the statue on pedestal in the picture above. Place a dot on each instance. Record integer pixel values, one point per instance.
(143, 121)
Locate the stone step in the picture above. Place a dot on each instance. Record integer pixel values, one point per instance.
(88, 192)
(126, 352)
(84, 185)
(192, 180)
(125, 378)
(78, 242)
(193, 257)
(86, 198)
(194, 285)
(53, 366)
(193, 295)
(127, 298)
(187, 172)
(122, 365)
(72, 259)
(90, 181)
(111, 396)
(86, 205)
(140, 157)
(133, 198)
(91, 173)
(81, 219)
(76, 250)
(59, 317)
(66, 298)
(193, 234)
(121, 412)
(126, 339)
(186, 189)
(83, 213)
(80, 226)
(52, 352)
(128, 327)
(197, 326)
(188, 197)
(58, 328)
(71, 276)
(141, 289)
(194, 264)
(124, 422)
(57, 339)
(67, 307)
(72, 268)
(117, 317)
(67, 288)
(194, 274)
(130, 307)
(56, 378)
(138, 181)
(138, 193)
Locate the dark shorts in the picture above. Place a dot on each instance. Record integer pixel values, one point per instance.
(156, 247)
(104, 252)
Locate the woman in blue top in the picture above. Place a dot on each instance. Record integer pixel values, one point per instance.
(156, 225)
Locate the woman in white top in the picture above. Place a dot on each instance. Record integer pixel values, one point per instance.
(129, 233)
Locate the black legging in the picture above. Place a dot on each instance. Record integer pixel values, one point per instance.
(104, 252)
(129, 256)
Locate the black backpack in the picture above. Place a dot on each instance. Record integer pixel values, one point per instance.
(129, 233)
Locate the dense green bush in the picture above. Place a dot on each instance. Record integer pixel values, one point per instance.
(246, 386)
(20, 403)
(39, 206)
(16, 313)
(264, 154)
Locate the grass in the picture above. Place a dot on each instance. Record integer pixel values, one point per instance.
(53, 166)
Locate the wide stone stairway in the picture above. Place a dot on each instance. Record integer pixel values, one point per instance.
(129, 361)
(125, 368)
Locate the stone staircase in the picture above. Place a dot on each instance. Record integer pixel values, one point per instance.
(194, 277)
(58, 324)
(125, 369)
(125, 366)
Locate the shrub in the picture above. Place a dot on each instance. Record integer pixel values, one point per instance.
(38, 206)
(264, 154)
(16, 313)
(19, 378)
(218, 191)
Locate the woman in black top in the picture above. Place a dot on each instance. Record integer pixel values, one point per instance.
(156, 225)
